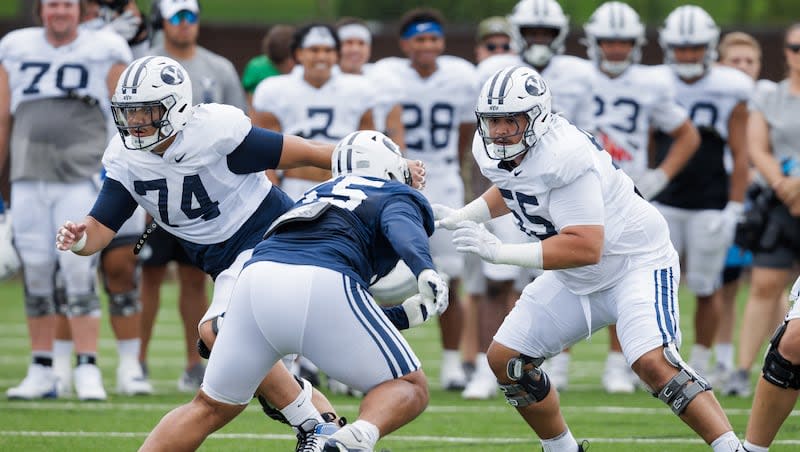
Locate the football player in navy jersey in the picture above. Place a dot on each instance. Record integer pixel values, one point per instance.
(305, 291)
(199, 172)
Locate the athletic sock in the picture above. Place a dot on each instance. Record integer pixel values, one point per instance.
(750, 447)
(561, 443)
(727, 442)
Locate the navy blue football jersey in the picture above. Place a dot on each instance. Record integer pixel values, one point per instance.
(359, 226)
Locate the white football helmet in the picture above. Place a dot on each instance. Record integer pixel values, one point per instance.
(9, 260)
(369, 153)
(540, 14)
(152, 91)
(509, 92)
(689, 25)
(614, 21)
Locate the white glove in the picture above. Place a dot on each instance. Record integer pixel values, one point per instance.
(651, 183)
(434, 288)
(126, 25)
(474, 238)
(725, 223)
(448, 218)
(418, 309)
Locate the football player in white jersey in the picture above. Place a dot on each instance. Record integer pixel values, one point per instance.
(62, 76)
(630, 100)
(439, 121)
(542, 27)
(608, 250)
(356, 48)
(702, 203)
(314, 101)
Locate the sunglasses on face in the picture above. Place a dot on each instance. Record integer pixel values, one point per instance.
(492, 47)
(795, 48)
(189, 16)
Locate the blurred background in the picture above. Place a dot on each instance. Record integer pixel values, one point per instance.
(234, 28)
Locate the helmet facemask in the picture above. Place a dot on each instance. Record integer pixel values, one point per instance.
(132, 119)
(499, 147)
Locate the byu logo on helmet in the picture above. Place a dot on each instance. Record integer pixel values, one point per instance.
(535, 86)
(172, 75)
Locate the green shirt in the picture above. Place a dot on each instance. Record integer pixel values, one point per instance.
(257, 69)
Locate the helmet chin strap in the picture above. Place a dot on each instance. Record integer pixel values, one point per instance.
(538, 55)
(689, 70)
(614, 68)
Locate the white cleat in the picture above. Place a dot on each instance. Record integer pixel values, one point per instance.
(39, 383)
(89, 383)
(483, 385)
(452, 376)
(616, 377)
(131, 379)
(347, 440)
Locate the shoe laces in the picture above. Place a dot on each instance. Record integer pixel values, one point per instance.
(308, 442)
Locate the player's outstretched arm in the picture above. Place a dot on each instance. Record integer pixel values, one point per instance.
(84, 238)
(483, 208)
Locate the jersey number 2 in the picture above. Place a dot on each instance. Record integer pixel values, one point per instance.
(193, 189)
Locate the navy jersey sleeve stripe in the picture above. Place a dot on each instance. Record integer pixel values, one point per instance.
(402, 224)
(114, 205)
(260, 150)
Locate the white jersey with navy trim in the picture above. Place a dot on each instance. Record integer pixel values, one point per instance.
(434, 108)
(189, 190)
(571, 80)
(37, 70)
(389, 92)
(635, 233)
(325, 114)
(627, 107)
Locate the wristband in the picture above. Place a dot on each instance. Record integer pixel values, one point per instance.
(521, 254)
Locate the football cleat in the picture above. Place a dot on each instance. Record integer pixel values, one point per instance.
(738, 384)
(191, 379)
(483, 385)
(452, 375)
(616, 377)
(347, 440)
(89, 382)
(312, 435)
(39, 383)
(131, 379)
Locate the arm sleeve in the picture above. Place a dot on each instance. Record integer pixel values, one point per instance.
(260, 150)
(114, 205)
(397, 315)
(401, 223)
(578, 203)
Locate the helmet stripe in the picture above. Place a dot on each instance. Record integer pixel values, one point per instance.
(491, 87)
(504, 83)
(134, 84)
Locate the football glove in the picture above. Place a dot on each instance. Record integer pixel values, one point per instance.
(418, 309)
(126, 25)
(434, 288)
(471, 237)
(651, 183)
(725, 223)
(448, 218)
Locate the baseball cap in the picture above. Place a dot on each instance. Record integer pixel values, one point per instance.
(171, 7)
(495, 25)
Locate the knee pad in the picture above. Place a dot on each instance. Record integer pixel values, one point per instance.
(39, 306)
(124, 304)
(531, 385)
(778, 370)
(681, 389)
(82, 305)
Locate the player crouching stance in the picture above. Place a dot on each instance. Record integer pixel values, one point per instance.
(305, 291)
(608, 250)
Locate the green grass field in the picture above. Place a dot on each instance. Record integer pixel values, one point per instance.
(635, 422)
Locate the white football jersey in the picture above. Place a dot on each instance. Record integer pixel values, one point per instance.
(627, 107)
(434, 108)
(389, 92)
(324, 114)
(37, 70)
(571, 80)
(711, 99)
(191, 174)
(635, 233)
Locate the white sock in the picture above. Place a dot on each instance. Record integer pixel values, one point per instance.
(564, 442)
(451, 358)
(750, 447)
(727, 442)
(698, 359)
(368, 430)
(62, 348)
(301, 409)
(724, 353)
(129, 347)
